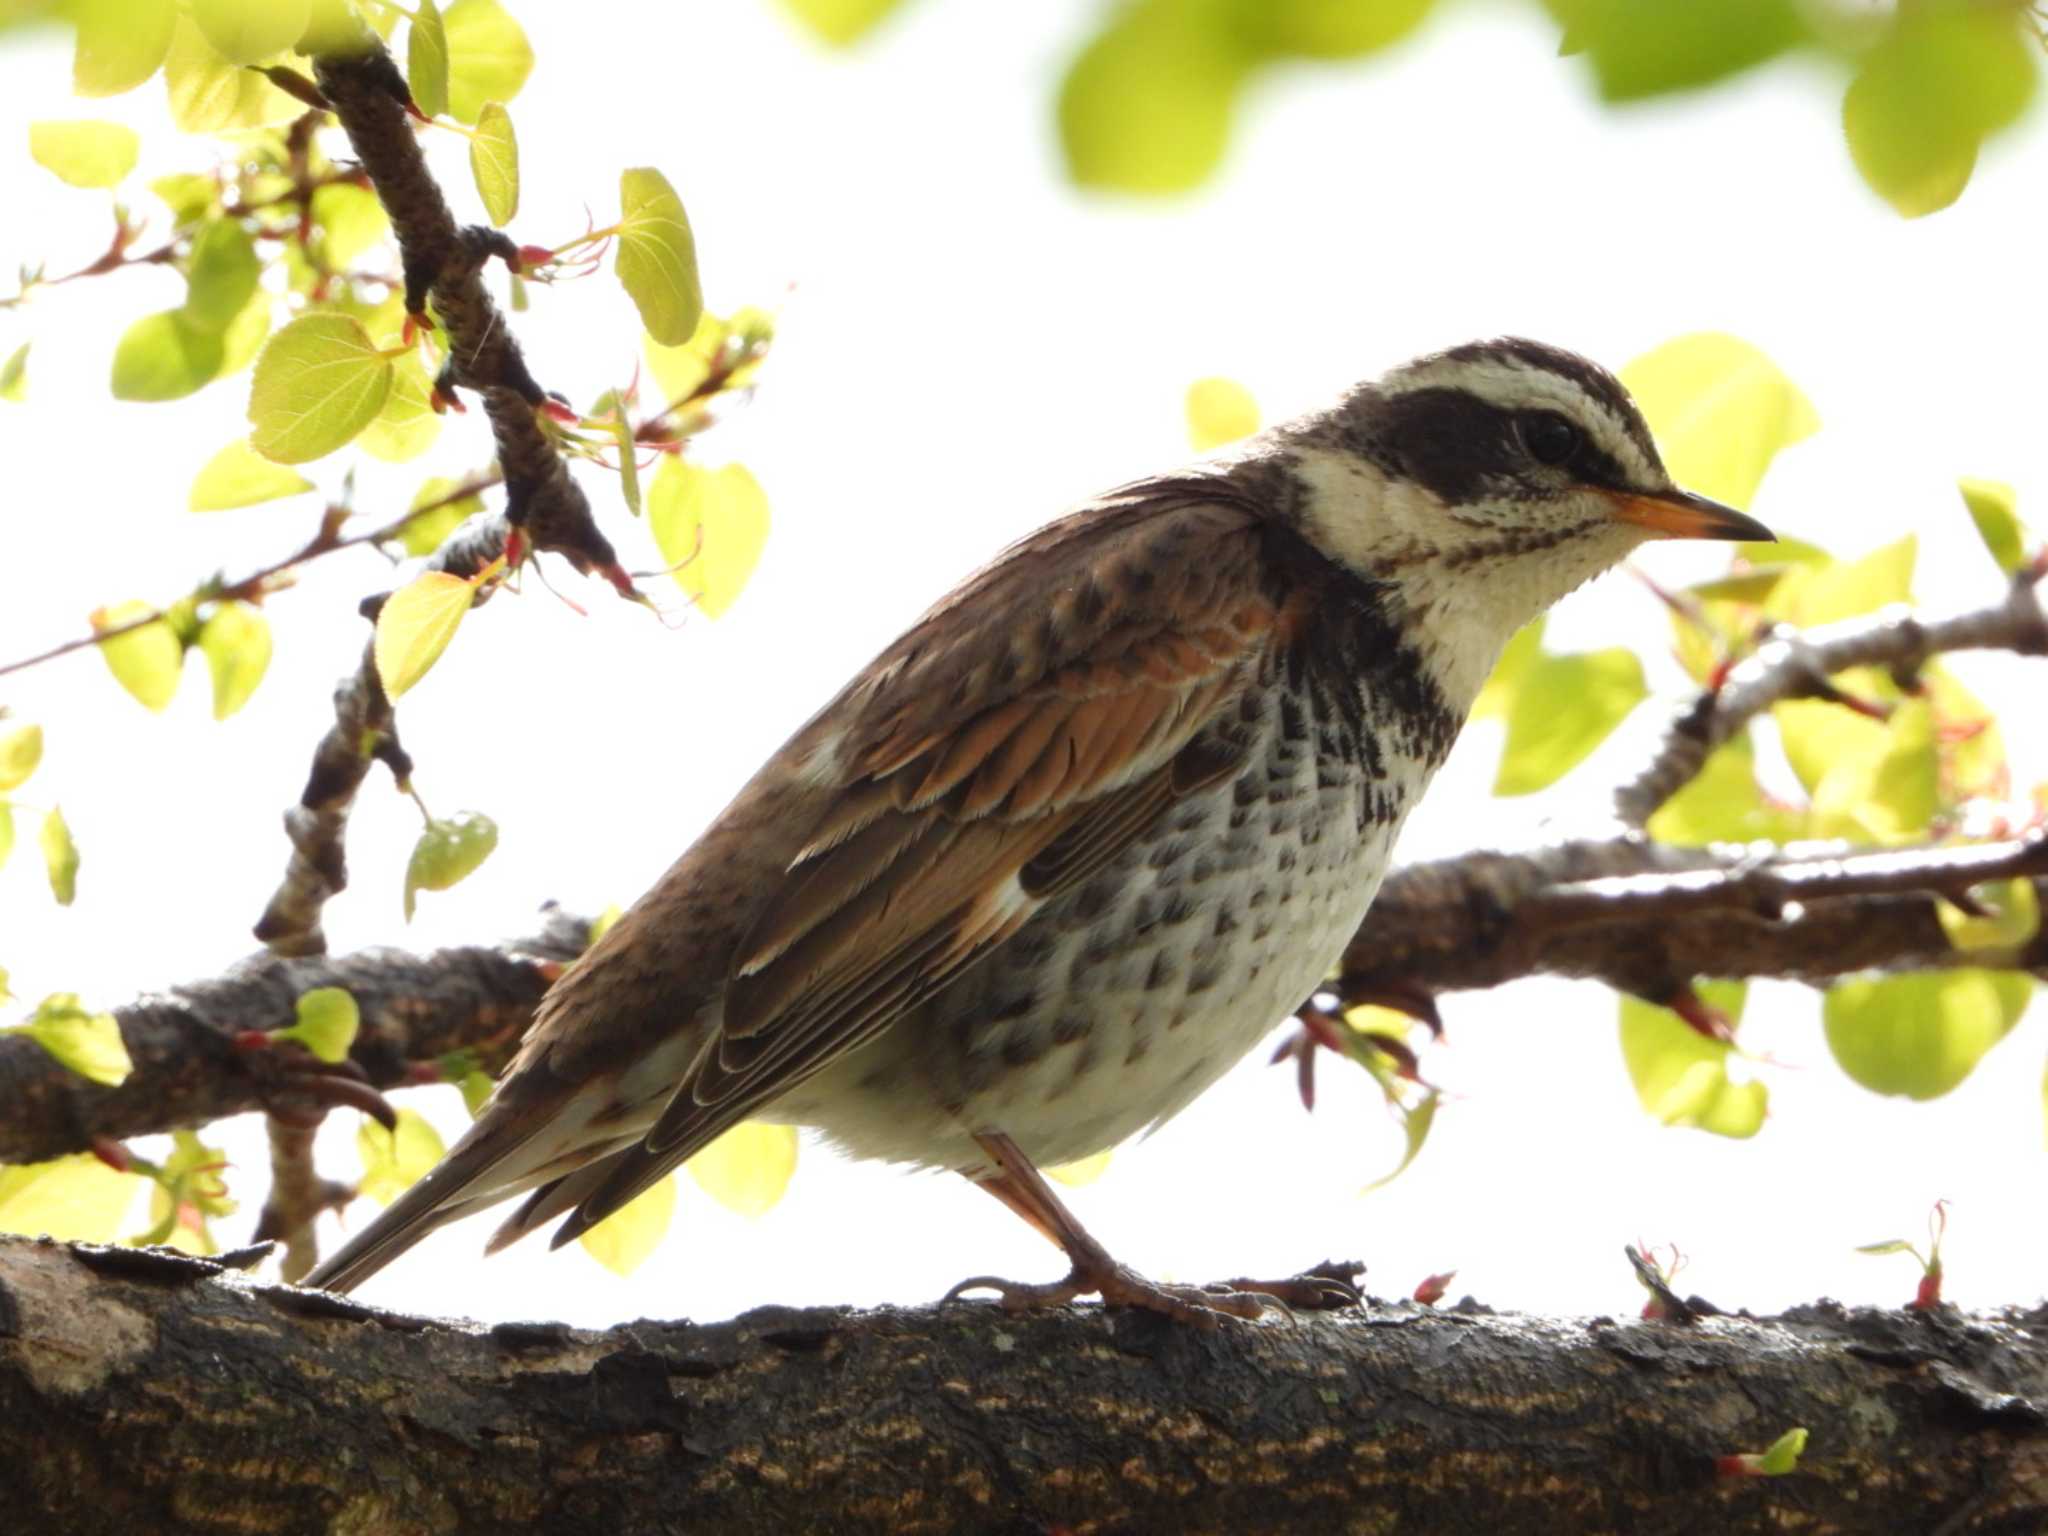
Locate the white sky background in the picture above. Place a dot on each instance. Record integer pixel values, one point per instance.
(971, 346)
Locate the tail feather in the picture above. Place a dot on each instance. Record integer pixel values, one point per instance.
(557, 1196)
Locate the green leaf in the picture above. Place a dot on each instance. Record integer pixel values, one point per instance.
(406, 427)
(1920, 1034)
(494, 163)
(710, 525)
(1944, 78)
(1415, 1124)
(1994, 508)
(1891, 1245)
(121, 43)
(189, 195)
(1086, 1171)
(146, 660)
(2012, 918)
(426, 59)
(1844, 589)
(681, 370)
(245, 334)
(415, 625)
(1681, 1076)
(425, 533)
(840, 22)
(6, 848)
(1725, 804)
(165, 357)
(1972, 748)
(447, 853)
(238, 476)
(1883, 787)
(1566, 706)
(1331, 29)
(1639, 50)
(250, 31)
(73, 1199)
(629, 459)
(84, 153)
(221, 275)
(657, 260)
(747, 1169)
(1146, 107)
(347, 221)
(335, 27)
(1721, 411)
(21, 750)
(210, 93)
(14, 374)
(60, 856)
(1524, 650)
(1783, 1455)
(624, 1239)
(235, 640)
(476, 1091)
(393, 1161)
(488, 56)
(319, 382)
(188, 1192)
(89, 1044)
(327, 1023)
(1219, 411)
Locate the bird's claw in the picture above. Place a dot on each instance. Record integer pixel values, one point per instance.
(1198, 1306)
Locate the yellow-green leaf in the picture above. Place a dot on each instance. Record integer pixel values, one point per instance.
(1783, 1455)
(188, 1192)
(1681, 1076)
(1883, 788)
(840, 22)
(1943, 79)
(1724, 804)
(747, 1169)
(425, 533)
(146, 660)
(681, 370)
(210, 93)
(624, 1239)
(21, 749)
(1219, 411)
(335, 27)
(165, 357)
(84, 153)
(1994, 508)
(415, 625)
(250, 31)
(14, 375)
(488, 56)
(1086, 1171)
(60, 856)
(1332, 29)
(1416, 1121)
(406, 427)
(319, 382)
(1565, 707)
(221, 275)
(235, 640)
(494, 163)
(1721, 411)
(73, 1199)
(1972, 746)
(394, 1161)
(327, 1022)
(245, 334)
(121, 43)
(475, 1088)
(710, 525)
(6, 848)
(1524, 650)
(189, 195)
(448, 852)
(1147, 105)
(426, 59)
(89, 1044)
(1639, 50)
(1823, 593)
(657, 260)
(347, 221)
(1920, 1034)
(239, 476)
(2012, 917)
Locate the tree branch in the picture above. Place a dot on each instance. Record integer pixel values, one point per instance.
(137, 1386)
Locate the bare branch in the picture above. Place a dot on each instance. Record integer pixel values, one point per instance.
(1792, 665)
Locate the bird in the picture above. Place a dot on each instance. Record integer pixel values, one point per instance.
(1082, 836)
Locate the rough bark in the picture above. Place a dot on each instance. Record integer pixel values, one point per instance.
(149, 1392)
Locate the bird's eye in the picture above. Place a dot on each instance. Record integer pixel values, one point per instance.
(1549, 438)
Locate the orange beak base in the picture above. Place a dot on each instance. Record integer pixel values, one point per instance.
(1682, 515)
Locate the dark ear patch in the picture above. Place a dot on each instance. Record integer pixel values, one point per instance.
(1452, 443)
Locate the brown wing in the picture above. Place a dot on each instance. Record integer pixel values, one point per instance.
(959, 808)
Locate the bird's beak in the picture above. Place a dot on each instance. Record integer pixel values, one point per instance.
(1676, 514)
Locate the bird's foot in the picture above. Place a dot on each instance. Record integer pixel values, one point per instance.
(1331, 1286)
(1199, 1306)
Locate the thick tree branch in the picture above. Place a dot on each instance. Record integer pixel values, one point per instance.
(139, 1388)
(1797, 665)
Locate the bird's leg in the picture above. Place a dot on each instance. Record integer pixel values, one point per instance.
(1020, 1186)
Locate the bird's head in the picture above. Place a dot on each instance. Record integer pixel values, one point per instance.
(1488, 481)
